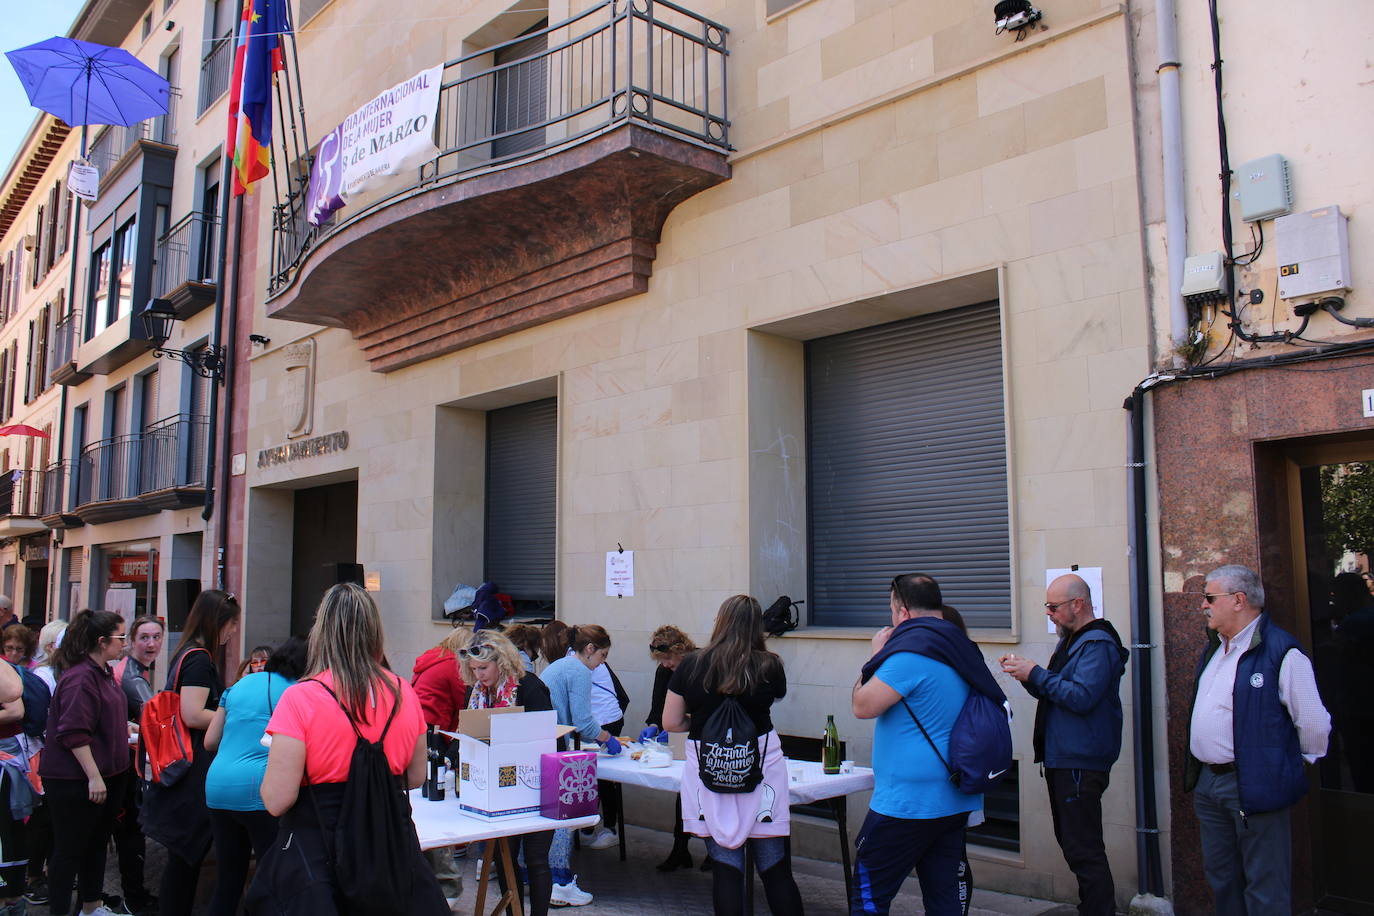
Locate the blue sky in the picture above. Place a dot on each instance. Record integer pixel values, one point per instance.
(27, 22)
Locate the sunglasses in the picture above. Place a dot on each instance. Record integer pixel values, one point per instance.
(1208, 599)
(478, 653)
(665, 647)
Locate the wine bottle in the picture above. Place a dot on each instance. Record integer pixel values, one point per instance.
(830, 750)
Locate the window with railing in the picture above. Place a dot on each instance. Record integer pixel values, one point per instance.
(21, 493)
(185, 253)
(117, 141)
(108, 470)
(215, 69)
(173, 453)
(66, 338)
(56, 478)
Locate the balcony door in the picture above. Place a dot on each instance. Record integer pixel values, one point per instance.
(521, 93)
(207, 260)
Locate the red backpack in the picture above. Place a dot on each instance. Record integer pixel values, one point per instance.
(163, 734)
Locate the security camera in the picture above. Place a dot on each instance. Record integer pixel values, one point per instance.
(1015, 16)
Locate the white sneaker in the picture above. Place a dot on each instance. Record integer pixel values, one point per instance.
(602, 839)
(101, 910)
(569, 895)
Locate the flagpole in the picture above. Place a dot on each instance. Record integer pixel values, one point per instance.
(222, 258)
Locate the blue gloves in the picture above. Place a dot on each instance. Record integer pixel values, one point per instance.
(612, 746)
(662, 737)
(649, 733)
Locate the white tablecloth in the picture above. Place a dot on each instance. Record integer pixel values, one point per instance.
(813, 785)
(443, 823)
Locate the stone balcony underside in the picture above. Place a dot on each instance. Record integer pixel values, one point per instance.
(467, 261)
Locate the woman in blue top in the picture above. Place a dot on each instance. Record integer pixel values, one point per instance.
(239, 822)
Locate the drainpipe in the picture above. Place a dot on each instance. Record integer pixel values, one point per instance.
(1150, 875)
(1171, 136)
(229, 364)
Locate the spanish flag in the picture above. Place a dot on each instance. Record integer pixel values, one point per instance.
(257, 58)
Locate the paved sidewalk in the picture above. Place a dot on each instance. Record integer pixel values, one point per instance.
(635, 887)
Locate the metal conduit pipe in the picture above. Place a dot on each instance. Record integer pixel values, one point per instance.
(1171, 140)
(1149, 871)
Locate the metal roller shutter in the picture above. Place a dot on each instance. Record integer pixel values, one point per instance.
(522, 474)
(907, 467)
(521, 93)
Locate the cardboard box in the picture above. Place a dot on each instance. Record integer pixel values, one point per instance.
(567, 785)
(499, 754)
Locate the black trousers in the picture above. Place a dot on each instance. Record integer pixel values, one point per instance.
(130, 846)
(1076, 806)
(239, 837)
(81, 831)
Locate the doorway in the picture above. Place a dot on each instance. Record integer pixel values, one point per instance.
(324, 546)
(1331, 500)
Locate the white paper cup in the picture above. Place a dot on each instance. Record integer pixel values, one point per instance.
(846, 766)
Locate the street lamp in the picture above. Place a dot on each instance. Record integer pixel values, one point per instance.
(158, 316)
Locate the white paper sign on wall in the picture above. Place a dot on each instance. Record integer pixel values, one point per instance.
(1089, 574)
(1367, 399)
(620, 573)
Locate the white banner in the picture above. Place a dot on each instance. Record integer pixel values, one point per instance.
(390, 133)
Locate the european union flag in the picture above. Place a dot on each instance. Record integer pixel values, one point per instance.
(257, 58)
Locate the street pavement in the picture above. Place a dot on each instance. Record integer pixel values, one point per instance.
(635, 887)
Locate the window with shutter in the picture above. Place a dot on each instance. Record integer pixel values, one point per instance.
(39, 226)
(64, 218)
(13, 378)
(907, 466)
(520, 95)
(522, 468)
(28, 368)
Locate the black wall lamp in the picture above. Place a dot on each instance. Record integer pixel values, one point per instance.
(158, 316)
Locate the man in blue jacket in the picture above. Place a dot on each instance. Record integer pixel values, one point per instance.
(1078, 732)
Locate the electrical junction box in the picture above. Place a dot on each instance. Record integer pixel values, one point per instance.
(1263, 188)
(1204, 278)
(1313, 252)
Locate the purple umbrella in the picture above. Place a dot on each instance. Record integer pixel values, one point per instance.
(85, 83)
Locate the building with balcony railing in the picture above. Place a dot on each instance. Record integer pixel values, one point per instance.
(126, 471)
(785, 297)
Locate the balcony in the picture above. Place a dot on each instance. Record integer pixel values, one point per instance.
(117, 144)
(21, 503)
(162, 467)
(173, 462)
(107, 486)
(215, 69)
(184, 272)
(59, 495)
(555, 175)
(66, 340)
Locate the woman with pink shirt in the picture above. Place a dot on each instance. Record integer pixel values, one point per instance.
(314, 730)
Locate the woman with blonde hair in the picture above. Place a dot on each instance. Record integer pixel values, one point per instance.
(345, 696)
(493, 666)
(736, 664)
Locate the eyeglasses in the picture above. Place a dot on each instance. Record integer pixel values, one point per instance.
(1053, 606)
(478, 653)
(1208, 599)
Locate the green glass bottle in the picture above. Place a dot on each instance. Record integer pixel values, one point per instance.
(830, 750)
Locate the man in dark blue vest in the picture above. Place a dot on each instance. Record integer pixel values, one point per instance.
(1078, 732)
(1256, 717)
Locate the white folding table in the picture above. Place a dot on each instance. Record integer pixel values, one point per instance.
(813, 785)
(443, 823)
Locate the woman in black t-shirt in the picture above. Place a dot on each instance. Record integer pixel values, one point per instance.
(668, 646)
(177, 816)
(737, 664)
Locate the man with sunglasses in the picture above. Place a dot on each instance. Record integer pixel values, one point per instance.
(1078, 732)
(1256, 717)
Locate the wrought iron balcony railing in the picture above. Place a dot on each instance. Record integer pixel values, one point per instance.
(116, 141)
(215, 69)
(66, 339)
(173, 453)
(57, 484)
(21, 493)
(107, 471)
(651, 62)
(186, 253)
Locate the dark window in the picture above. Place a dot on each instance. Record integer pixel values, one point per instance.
(520, 94)
(1001, 828)
(98, 313)
(774, 7)
(907, 466)
(522, 467)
